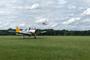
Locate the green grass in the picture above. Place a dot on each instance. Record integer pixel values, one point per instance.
(45, 48)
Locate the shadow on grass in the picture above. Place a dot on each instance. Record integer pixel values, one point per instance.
(31, 38)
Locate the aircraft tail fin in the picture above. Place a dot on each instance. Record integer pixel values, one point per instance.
(17, 29)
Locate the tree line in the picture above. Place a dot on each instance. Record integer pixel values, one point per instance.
(65, 32)
(50, 32)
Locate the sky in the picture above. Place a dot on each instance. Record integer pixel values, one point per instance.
(55, 14)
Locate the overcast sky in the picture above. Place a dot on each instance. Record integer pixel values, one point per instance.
(57, 14)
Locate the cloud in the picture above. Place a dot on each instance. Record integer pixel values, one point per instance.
(5, 12)
(25, 7)
(34, 6)
(72, 7)
(41, 20)
(54, 25)
(86, 1)
(56, 13)
(86, 12)
(62, 1)
(86, 20)
(72, 20)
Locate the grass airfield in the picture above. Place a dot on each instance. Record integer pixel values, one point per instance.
(45, 48)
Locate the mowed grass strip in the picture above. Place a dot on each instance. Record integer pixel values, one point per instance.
(45, 48)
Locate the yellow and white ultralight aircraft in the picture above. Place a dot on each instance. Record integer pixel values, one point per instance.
(26, 32)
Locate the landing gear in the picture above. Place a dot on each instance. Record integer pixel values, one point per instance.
(35, 36)
(28, 35)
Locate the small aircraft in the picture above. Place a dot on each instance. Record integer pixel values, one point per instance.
(26, 32)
